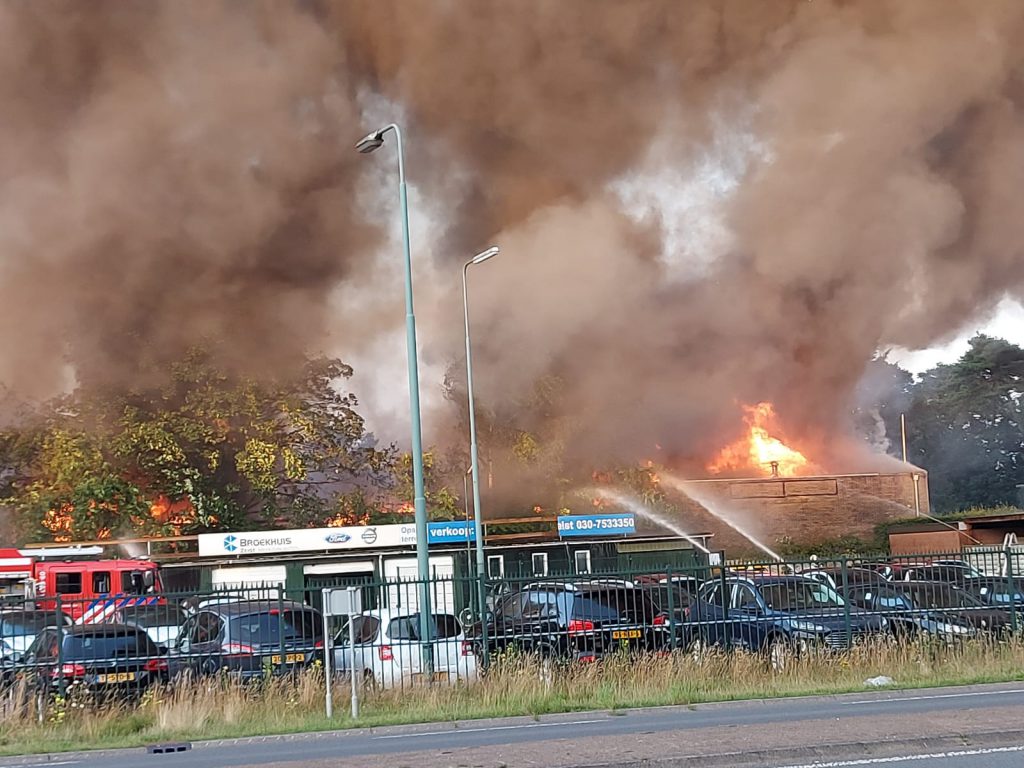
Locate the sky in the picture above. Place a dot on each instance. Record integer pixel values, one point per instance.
(1007, 322)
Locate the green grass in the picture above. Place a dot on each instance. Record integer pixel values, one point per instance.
(517, 685)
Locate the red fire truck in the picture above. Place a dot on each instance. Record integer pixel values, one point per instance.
(88, 589)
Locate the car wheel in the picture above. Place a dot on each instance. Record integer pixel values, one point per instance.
(780, 653)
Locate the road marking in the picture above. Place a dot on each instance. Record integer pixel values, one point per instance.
(30, 765)
(907, 758)
(456, 731)
(934, 696)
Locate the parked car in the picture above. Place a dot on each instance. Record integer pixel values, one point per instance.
(833, 576)
(672, 598)
(954, 573)
(161, 622)
(19, 627)
(103, 658)
(906, 618)
(996, 591)
(583, 622)
(390, 652)
(778, 615)
(249, 639)
(955, 603)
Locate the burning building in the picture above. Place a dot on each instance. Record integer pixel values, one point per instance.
(744, 511)
(765, 488)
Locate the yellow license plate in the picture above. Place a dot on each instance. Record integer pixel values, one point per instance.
(626, 634)
(117, 677)
(289, 658)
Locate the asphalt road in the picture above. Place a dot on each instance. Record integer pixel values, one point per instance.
(993, 757)
(603, 738)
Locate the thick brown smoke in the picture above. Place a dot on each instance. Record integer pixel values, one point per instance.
(178, 170)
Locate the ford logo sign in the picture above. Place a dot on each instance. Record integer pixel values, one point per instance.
(337, 538)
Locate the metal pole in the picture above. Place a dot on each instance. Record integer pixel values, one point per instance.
(352, 653)
(324, 594)
(917, 495)
(903, 434)
(475, 466)
(420, 499)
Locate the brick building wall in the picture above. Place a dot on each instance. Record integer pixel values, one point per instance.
(801, 510)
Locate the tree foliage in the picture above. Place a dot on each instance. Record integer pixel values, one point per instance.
(965, 424)
(205, 450)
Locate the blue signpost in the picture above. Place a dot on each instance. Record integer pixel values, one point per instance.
(453, 532)
(596, 525)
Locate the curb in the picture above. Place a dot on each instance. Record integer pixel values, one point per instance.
(830, 752)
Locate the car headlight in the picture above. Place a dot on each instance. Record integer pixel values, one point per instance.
(807, 626)
(954, 629)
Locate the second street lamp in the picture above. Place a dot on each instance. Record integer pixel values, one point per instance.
(474, 463)
(366, 145)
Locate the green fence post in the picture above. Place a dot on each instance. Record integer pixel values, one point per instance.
(60, 647)
(725, 606)
(485, 650)
(844, 591)
(671, 609)
(280, 628)
(1013, 589)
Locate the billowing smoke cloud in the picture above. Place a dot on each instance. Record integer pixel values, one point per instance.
(174, 171)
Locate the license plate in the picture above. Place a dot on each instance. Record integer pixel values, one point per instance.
(289, 658)
(117, 677)
(626, 634)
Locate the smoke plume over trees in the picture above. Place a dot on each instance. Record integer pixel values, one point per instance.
(700, 203)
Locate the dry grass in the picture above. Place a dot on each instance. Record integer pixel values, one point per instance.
(516, 685)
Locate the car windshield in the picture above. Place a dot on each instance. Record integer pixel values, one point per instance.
(932, 596)
(273, 626)
(611, 604)
(662, 595)
(25, 624)
(443, 626)
(106, 645)
(800, 595)
(154, 616)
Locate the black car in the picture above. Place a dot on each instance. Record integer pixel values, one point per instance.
(955, 603)
(249, 639)
(907, 618)
(996, 591)
(582, 622)
(103, 658)
(778, 615)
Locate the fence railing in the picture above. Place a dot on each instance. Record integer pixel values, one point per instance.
(253, 632)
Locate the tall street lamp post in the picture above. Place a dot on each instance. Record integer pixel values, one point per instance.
(371, 143)
(474, 463)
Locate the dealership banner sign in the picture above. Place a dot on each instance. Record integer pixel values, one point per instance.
(596, 525)
(330, 539)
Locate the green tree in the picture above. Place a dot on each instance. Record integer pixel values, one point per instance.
(204, 450)
(965, 426)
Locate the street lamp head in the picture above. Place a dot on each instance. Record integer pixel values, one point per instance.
(485, 255)
(371, 142)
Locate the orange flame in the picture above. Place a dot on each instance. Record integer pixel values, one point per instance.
(758, 450)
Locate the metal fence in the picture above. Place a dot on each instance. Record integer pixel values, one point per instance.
(123, 644)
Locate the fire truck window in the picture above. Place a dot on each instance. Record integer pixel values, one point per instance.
(69, 583)
(101, 582)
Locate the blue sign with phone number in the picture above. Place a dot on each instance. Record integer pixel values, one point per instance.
(596, 525)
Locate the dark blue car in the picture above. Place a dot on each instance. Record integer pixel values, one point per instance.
(778, 615)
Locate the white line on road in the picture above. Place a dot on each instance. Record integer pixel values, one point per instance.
(926, 697)
(456, 731)
(906, 758)
(30, 765)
